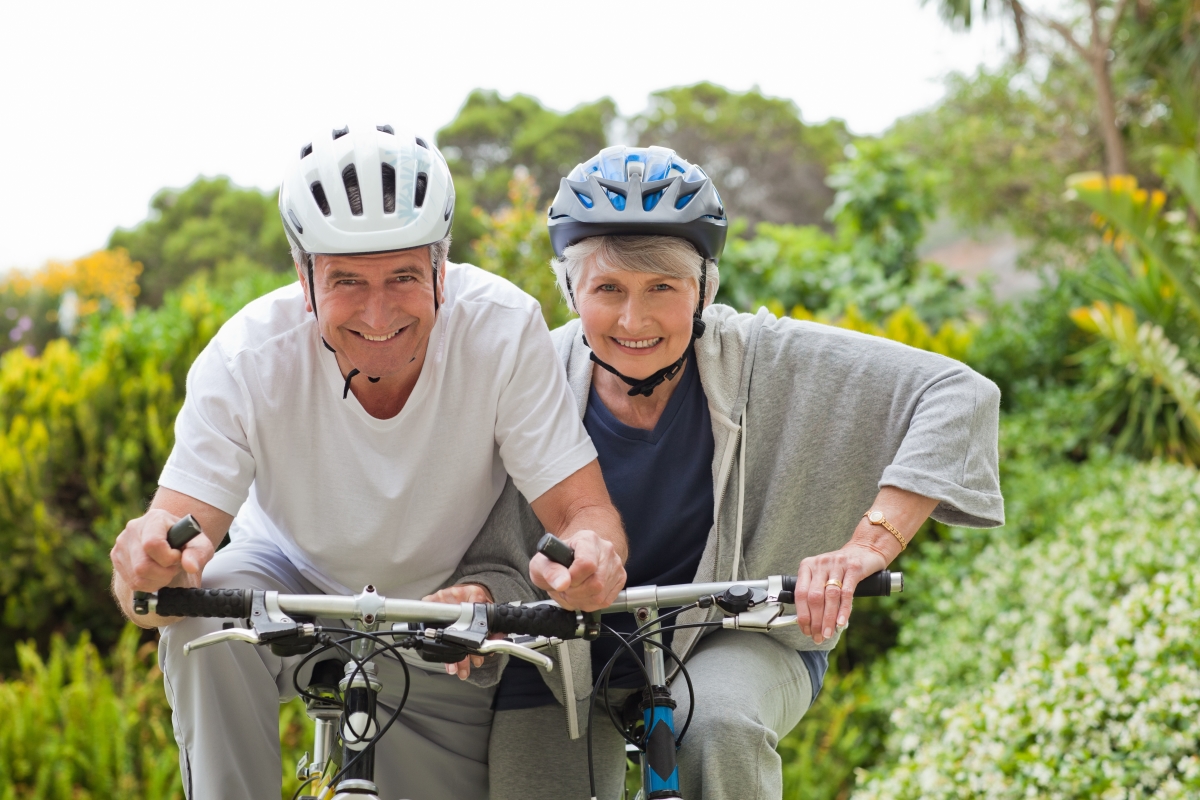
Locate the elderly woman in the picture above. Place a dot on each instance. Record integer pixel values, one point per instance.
(734, 446)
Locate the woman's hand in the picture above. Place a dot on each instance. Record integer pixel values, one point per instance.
(821, 605)
(462, 593)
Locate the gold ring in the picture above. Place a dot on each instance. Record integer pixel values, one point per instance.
(833, 582)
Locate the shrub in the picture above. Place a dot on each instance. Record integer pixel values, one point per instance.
(995, 642)
(79, 726)
(84, 432)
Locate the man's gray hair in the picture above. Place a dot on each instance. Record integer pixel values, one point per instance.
(657, 255)
(438, 252)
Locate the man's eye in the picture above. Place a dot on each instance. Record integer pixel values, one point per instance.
(607, 287)
(663, 287)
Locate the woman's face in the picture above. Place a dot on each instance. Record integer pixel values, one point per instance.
(637, 322)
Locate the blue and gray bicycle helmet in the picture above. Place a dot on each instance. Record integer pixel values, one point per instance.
(641, 191)
(630, 191)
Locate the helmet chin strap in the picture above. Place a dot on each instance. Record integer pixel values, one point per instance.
(646, 386)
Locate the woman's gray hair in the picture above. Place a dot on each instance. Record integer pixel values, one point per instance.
(657, 255)
(438, 251)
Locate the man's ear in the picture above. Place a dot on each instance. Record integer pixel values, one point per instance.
(302, 274)
(441, 282)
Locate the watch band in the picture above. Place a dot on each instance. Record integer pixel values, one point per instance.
(876, 517)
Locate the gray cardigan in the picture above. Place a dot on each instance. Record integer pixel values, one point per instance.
(828, 417)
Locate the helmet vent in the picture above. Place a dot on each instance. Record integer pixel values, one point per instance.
(353, 193)
(386, 129)
(421, 143)
(685, 199)
(306, 150)
(340, 132)
(422, 186)
(318, 193)
(389, 188)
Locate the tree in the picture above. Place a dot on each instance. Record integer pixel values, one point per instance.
(768, 165)
(210, 225)
(1003, 144)
(1091, 35)
(493, 138)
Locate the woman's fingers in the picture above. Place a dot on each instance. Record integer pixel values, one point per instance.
(825, 593)
(803, 579)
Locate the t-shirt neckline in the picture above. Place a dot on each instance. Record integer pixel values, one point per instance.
(596, 405)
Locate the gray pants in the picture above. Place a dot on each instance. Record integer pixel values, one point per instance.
(225, 701)
(750, 691)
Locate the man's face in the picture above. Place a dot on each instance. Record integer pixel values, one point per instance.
(375, 310)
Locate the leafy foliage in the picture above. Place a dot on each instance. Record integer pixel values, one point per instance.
(80, 726)
(50, 302)
(769, 165)
(1063, 666)
(883, 201)
(211, 226)
(1003, 144)
(1144, 385)
(516, 245)
(84, 433)
(492, 139)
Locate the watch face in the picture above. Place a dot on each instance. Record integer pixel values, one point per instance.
(876, 517)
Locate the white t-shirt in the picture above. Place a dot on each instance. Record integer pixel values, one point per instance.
(265, 434)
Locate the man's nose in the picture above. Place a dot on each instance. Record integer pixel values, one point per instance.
(376, 311)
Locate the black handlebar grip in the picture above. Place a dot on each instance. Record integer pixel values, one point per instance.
(556, 550)
(183, 532)
(534, 621)
(233, 603)
(877, 584)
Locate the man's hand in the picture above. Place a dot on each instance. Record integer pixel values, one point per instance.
(144, 562)
(594, 579)
(578, 511)
(463, 593)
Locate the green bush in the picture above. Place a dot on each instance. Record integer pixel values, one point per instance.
(84, 432)
(79, 726)
(998, 642)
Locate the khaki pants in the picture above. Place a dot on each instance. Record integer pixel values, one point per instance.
(225, 701)
(750, 691)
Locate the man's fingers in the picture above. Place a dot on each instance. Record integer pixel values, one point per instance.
(547, 575)
(155, 547)
(196, 554)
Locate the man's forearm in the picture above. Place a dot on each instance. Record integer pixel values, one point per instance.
(604, 521)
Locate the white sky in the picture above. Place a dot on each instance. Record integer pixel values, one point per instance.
(103, 104)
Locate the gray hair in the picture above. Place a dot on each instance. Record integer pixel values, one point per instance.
(438, 251)
(656, 255)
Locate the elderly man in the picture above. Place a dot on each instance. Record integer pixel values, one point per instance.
(356, 427)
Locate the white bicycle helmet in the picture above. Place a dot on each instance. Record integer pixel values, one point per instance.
(365, 188)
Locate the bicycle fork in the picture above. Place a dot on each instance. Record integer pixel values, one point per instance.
(660, 769)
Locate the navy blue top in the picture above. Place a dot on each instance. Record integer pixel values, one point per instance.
(661, 483)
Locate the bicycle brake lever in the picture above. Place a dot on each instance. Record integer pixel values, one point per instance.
(226, 635)
(517, 651)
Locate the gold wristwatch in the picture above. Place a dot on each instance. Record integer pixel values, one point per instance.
(876, 517)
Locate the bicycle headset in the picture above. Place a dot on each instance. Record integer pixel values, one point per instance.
(360, 189)
(641, 191)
